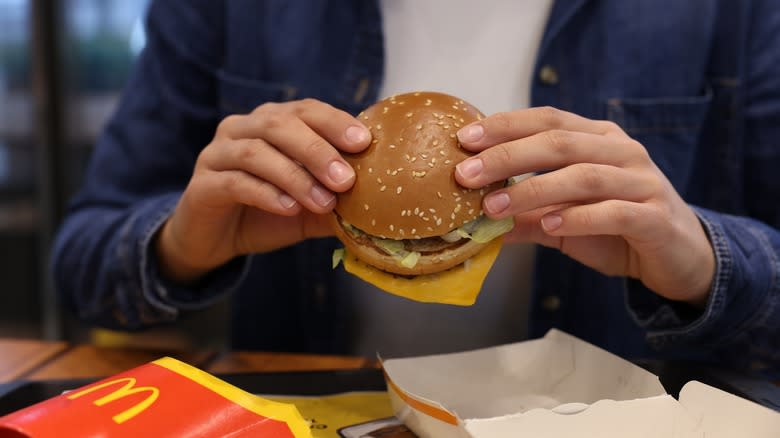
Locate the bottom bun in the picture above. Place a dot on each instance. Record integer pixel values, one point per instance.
(427, 264)
(459, 285)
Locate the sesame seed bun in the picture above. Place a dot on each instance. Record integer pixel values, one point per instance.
(405, 186)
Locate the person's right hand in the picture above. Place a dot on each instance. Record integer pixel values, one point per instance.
(265, 181)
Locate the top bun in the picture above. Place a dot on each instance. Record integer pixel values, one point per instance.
(405, 184)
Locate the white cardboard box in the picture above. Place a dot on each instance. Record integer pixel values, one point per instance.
(560, 386)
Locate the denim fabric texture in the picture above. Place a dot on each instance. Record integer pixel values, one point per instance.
(696, 82)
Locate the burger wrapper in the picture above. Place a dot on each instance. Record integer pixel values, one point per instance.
(164, 398)
(458, 286)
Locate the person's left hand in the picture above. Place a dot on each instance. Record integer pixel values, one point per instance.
(603, 202)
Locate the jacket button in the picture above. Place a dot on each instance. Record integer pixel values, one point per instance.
(551, 303)
(548, 75)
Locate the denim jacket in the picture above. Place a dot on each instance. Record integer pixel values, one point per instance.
(696, 82)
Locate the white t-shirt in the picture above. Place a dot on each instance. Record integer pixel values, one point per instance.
(482, 52)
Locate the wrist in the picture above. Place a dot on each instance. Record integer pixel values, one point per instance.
(173, 263)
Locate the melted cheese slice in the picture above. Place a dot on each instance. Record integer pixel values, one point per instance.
(459, 285)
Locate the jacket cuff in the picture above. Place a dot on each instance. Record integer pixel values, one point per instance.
(171, 297)
(737, 291)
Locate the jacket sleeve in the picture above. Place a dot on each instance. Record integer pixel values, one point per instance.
(102, 261)
(741, 321)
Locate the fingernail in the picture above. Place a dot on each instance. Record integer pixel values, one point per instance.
(551, 222)
(469, 168)
(471, 133)
(496, 202)
(321, 196)
(286, 200)
(356, 134)
(340, 172)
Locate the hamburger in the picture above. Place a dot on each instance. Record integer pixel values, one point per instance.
(407, 226)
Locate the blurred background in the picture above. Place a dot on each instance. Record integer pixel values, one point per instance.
(63, 64)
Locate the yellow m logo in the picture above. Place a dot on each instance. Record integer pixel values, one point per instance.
(124, 391)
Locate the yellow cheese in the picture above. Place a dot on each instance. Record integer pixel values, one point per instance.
(459, 285)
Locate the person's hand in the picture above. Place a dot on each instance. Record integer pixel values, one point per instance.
(601, 201)
(264, 182)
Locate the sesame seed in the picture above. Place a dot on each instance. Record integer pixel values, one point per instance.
(452, 225)
(446, 126)
(461, 120)
(425, 219)
(457, 208)
(400, 139)
(471, 211)
(433, 160)
(455, 194)
(447, 161)
(452, 216)
(413, 159)
(358, 167)
(424, 156)
(402, 232)
(365, 117)
(384, 111)
(419, 126)
(416, 236)
(481, 191)
(416, 210)
(387, 171)
(436, 115)
(378, 126)
(365, 206)
(430, 165)
(442, 153)
(392, 146)
(429, 228)
(439, 195)
(374, 141)
(417, 93)
(382, 189)
(457, 125)
(435, 142)
(398, 190)
(392, 227)
(452, 135)
(438, 221)
(455, 106)
(400, 169)
(403, 213)
(480, 212)
(370, 170)
(414, 230)
(394, 173)
(432, 210)
(468, 203)
(427, 102)
(406, 157)
(373, 222)
(379, 180)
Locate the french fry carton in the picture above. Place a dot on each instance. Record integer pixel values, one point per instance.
(164, 398)
(560, 386)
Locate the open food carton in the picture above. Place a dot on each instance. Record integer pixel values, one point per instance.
(560, 386)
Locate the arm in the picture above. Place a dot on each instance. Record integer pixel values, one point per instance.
(175, 198)
(101, 260)
(742, 316)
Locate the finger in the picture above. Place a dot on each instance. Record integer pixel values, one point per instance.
(267, 163)
(502, 127)
(577, 183)
(611, 217)
(294, 133)
(249, 190)
(547, 150)
(337, 127)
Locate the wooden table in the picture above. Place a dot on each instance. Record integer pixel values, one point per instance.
(39, 360)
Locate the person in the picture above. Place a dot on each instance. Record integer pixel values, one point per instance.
(651, 138)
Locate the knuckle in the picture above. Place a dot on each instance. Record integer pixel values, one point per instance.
(610, 127)
(294, 175)
(623, 215)
(231, 182)
(305, 106)
(275, 120)
(550, 117)
(560, 141)
(248, 150)
(591, 177)
(227, 125)
(317, 149)
(534, 188)
(502, 120)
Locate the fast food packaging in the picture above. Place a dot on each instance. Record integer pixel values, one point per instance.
(164, 398)
(560, 386)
